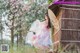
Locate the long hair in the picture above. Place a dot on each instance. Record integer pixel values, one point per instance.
(49, 23)
(55, 8)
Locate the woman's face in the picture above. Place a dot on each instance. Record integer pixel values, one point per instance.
(46, 19)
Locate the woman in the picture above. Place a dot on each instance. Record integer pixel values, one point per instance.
(41, 39)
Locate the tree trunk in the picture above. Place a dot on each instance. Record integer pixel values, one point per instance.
(12, 37)
(1, 38)
(20, 37)
(12, 33)
(20, 32)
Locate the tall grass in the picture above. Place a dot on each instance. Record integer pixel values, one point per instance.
(24, 49)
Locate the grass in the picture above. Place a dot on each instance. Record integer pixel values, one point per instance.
(30, 49)
(24, 49)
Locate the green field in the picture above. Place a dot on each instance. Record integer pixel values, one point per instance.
(24, 49)
(30, 49)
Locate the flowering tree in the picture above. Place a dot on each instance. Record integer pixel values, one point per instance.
(20, 15)
(2, 9)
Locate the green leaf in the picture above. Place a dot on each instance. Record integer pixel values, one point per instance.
(50, 1)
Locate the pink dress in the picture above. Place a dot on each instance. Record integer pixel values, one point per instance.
(42, 37)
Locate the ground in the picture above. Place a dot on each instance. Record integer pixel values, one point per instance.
(24, 49)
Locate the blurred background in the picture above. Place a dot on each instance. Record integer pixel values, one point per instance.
(16, 17)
